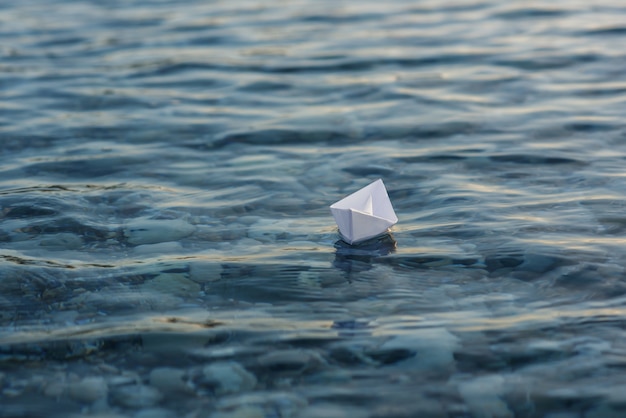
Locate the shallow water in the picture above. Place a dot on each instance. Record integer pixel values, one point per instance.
(166, 247)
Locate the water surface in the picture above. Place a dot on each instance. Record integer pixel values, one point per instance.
(166, 247)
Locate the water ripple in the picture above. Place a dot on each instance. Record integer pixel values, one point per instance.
(165, 177)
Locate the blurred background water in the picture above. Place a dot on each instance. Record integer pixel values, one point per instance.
(166, 248)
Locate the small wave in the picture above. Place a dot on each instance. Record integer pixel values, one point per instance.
(368, 170)
(304, 65)
(591, 127)
(531, 13)
(85, 168)
(264, 86)
(548, 62)
(61, 41)
(604, 31)
(282, 136)
(437, 158)
(339, 18)
(533, 159)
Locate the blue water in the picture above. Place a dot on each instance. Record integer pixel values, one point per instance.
(166, 247)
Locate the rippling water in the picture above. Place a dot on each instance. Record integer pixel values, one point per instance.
(166, 247)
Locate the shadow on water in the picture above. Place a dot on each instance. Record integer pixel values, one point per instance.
(360, 257)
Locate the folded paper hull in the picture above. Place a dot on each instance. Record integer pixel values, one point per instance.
(364, 214)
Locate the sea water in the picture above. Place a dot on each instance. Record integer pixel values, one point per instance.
(166, 246)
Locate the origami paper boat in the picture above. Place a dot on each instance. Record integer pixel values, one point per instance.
(364, 214)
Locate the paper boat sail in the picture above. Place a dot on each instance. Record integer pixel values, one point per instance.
(364, 214)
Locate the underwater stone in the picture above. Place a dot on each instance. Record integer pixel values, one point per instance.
(434, 348)
(137, 396)
(88, 390)
(503, 263)
(62, 241)
(169, 380)
(604, 411)
(54, 389)
(151, 231)
(281, 404)
(615, 396)
(482, 396)
(154, 413)
(124, 380)
(229, 377)
(173, 284)
(324, 410)
(249, 219)
(249, 243)
(247, 411)
(204, 271)
(291, 360)
(540, 263)
(107, 368)
(269, 230)
(207, 233)
(159, 248)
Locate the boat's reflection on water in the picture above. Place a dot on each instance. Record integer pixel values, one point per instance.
(360, 257)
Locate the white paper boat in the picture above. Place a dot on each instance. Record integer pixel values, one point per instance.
(364, 214)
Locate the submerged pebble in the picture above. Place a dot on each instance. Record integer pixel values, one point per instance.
(326, 410)
(62, 241)
(136, 396)
(172, 284)
(55, 389)
(281, 404)
(246, 411)
(483, 396)
(205, 271)
(228, 377)
(88, 390)
(155, 413)
(291, 361)
(159, 249)
(433, 347)
(152, 231)
(169, 381)
(271, 230)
